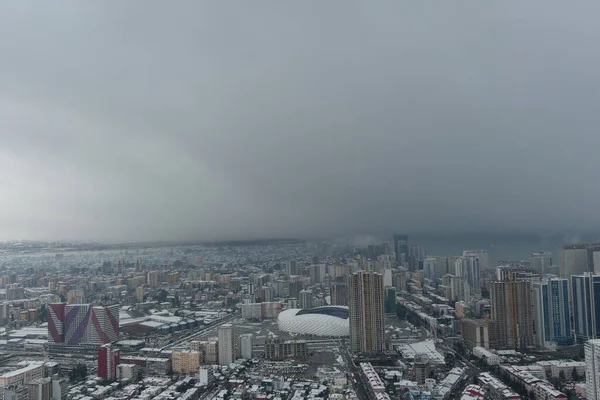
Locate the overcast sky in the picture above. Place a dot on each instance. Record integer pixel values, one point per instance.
(135, 120)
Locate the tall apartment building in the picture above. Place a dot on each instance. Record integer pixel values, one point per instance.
(512, 312)
(432, 269)
(317, 272)
(468, 267)
(551, 312)
(575, 259)
(390, 300)
(366, 312)
(306, 299)
(108, 359)
(339, 294)
(153, 278)
(592, 369)
(246, 346)
(295, 287)
(540, 262)
(585, 290)
(226, 344)
(186, 361)
(401, 249)
(291, 268)
(481, 255)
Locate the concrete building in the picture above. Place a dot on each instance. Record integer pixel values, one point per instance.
(401, 249)
(128, 371)
(291, 268)
(306, 299)
(339, 294)
(390, 300)
(481, 255)
(422, 368)
(246, 346)
(226, 344)
(108, 359)
(475, 333)
(468, 267)
(575, 259)
(186, 361)
(139, 294)
(366, 312)
(512, 312)
(39, 389)
(540, 262)
(277, 349)
(23, 375)
(551, 312)
(586, 306)
(206, 375)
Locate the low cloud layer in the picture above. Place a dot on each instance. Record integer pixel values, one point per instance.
(150, 120)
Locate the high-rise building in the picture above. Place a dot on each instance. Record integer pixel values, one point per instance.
(540, 262)
(512, 312)
(294, 289)
(422, 368)
(56, 322)
(291, 268)
(388, 277)
(417, 252)
(317, 273)
(401, 249)
(431, 269)
(366, 312)
(74, 324)
(481, 255)
(339, 294)
(390, 300)
(265, 294)
(246, 346)
(153, 278)
(226, 344)
(4, 313)
(306, 299)
(399, 280)
(468, 267)
(551, 312)
(108, 359)
(139, 294)
(104, 324)
(592, 369)
(575, 259)
(585, 295)
(457, 288)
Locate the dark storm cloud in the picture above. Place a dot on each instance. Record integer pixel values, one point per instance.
(143, 120)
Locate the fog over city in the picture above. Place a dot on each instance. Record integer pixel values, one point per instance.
(145, 120)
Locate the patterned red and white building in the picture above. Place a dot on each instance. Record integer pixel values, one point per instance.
(74, 324)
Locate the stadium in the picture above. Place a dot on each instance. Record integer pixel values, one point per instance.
(327, 321)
